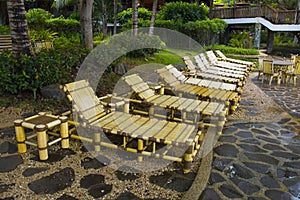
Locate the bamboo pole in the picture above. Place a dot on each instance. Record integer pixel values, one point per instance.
(20, 136)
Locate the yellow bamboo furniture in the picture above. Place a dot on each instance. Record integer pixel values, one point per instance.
(229, 65)
(269, 73)
(201, 72)
(42, 125)
(5, 43)
(230, 98)
(196, 109)
(293, 74)
(224, 58)
(147, 132)
(203, 82)
(221, 67)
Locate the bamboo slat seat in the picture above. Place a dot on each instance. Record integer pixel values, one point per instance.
(220, 67)
(224, 58)
(201, 71)
(230, 98)
(203, 82)
(149, 132)
(199, 109)
(228, 65)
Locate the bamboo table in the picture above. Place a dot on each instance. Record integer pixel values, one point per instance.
(41, 124)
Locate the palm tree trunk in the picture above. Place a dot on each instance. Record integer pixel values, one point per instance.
(104, 19)
(115, 15)
(151, 29)
(86, 7)
(18, 27)
(135, 17)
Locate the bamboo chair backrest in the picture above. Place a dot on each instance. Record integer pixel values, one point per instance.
(139, 86)
(267, 67)
(211, 56)
(178, 74)
(296, 59)
(220, 53)
(168, 76)
(85, 102)
(297, 68)
(200, 63)
(189, 63)
(261, 64)
(204, 59)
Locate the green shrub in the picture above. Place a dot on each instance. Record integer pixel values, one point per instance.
(30, 73)
(4, 30)
(126, 15)
(233, 50)
(66, 42)
(137, 43)
(183, 11)
(63, 26)
(241, 40)
(41, 35)
(37, 17)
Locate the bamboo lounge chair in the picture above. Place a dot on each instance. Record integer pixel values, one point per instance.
(199, 70)
(230, 98)
(146, 133)
(229, 65)
(203, 82)
(190, 109)
(221, 67)
(224, 58)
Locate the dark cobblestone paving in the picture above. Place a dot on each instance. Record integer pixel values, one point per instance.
(265, 165)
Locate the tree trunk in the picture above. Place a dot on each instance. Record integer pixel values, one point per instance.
(18, 28)
(3, 13)
(135, 17)
(115, 15)
(151, 29)
(104, 19)
(86, 7)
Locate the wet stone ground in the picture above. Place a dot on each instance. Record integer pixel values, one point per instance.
(253, 160)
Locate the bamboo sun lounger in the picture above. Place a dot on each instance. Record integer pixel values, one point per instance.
(224, 58)
(221, 68)
(230, 98)
(199, 70)
(190, 109)
(138, 134)
(212, 58)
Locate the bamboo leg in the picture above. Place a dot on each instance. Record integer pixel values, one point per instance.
(140, 149)
(97, 140)
(188, 158)
(42, 141)
(126, 106)
(20, 136)
(64, 132)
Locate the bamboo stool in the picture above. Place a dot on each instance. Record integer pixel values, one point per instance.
(41, 124)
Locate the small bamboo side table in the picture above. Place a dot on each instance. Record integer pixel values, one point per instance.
(41, 124)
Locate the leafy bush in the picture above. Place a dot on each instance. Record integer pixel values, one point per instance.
(183, 11)
(63, 26)
(137, 43)
(33, 72)
(41, 35)
(126, 15)
(241, 40)
(233, 50)
(37, 17)
(4, 30)
(66, 42)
